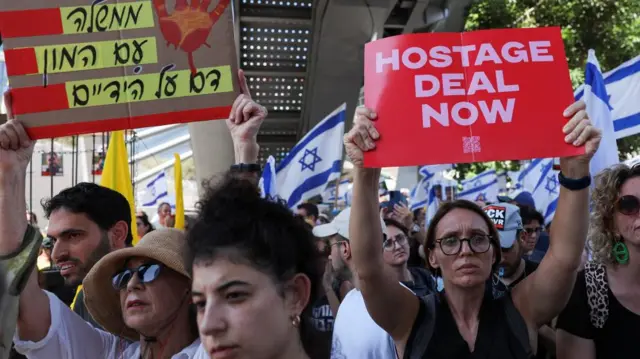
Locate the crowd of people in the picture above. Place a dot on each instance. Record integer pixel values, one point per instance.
(249, 278)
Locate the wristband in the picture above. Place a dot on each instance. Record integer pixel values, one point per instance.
(574, 184)
(246, 167)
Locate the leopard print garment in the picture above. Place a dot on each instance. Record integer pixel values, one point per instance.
(595, 276)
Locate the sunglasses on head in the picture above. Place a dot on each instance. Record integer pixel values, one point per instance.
(147, 273)
(628, 205)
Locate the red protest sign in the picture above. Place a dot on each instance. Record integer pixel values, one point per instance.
(480, 96)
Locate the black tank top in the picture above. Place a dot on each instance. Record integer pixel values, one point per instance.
(496, 338)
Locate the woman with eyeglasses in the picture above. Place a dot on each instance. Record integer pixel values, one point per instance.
(140, 296)
(465, 321)
(602, 319)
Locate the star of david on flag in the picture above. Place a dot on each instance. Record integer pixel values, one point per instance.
(310, 159)
(314, 162)
(156, 191)
(541, 180)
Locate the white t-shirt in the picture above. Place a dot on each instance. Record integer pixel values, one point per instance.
(356, 335)
(70, 337)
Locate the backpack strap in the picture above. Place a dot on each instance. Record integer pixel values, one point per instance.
(597, 287)
(421, 337)
(517, 325)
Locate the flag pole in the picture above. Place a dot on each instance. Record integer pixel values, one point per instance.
(337, 194)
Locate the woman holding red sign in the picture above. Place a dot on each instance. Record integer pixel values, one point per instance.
(465, 320)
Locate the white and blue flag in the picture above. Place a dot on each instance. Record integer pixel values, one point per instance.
(541, 180)
(267, 182)
(157, 191)
(314, 162)
(623, 88)
(329, 195)
(483, 187)
(433, 203)
(599, 110)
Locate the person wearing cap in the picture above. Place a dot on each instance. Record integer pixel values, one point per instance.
(336, 234)
(513, 268)
(140, 296)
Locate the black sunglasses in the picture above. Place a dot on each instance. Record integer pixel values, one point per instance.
(147, 273)
(628, 205)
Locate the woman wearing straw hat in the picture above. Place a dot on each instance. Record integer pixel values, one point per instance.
(140, 296)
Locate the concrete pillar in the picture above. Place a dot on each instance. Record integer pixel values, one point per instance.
(212, 149)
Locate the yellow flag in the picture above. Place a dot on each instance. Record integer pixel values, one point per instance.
(177, 174)
(116, 175)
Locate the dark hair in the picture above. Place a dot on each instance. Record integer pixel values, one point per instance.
(104, 206)
(392, 222)
(33, 218)
(164, 203)
(311, 209)
(145, 220)
(447, 207)
(529, 214)
(235, 223)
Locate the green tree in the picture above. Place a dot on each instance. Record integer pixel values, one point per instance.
(610, 27)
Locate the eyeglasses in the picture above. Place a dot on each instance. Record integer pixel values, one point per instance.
(536, 230)
(390, 243)
(628, 205)
(479, 243)
(147, 273)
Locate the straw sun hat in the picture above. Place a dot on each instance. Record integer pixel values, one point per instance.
(166, 246)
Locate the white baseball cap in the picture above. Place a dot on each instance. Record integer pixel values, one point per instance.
(339, 225)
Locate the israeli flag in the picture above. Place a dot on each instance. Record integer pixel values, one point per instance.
(514, 176)
(502, 182)
(329, 194)
(483, 187)
(623, 88)
(156, 191)
(267, 182)
(433, 203)
(599, 110)
(541, 180)
(314, 162)
(419, 196)
(431, 169)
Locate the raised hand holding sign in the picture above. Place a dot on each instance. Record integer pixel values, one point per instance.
(481, 96)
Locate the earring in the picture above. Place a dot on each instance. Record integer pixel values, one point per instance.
(295, 320)
(620, 252)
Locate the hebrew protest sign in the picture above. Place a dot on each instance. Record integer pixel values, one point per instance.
(480, 96)
(80, 66)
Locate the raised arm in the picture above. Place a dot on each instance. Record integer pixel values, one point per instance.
(244, 122)
(379, 289)
(568, 231)
(34, 316)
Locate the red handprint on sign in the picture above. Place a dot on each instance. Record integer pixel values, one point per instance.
(188, 27)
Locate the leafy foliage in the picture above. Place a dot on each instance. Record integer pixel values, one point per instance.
(610, 27)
